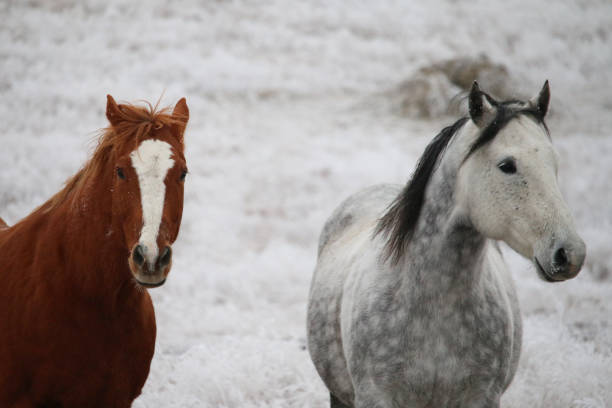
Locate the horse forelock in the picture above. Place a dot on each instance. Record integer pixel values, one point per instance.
(399, 221)
(505, 112)
(137, 124)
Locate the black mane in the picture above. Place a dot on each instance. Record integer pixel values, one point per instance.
(399, 222)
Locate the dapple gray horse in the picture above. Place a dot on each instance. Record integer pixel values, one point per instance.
(411, 303)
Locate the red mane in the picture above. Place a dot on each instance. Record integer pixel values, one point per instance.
(135, 126)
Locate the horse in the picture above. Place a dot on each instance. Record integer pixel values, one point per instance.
(77, 325)
(411, 303)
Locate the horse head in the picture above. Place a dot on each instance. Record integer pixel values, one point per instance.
(507, 184)
(147, 190)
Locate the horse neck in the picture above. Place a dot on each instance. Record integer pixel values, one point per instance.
(445, 249)
(95, 259)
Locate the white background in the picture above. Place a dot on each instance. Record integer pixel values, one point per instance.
(288, 117)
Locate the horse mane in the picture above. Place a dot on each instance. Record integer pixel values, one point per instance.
(134, 126)
(399, 221)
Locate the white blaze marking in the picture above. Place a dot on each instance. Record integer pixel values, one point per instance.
(151, 161)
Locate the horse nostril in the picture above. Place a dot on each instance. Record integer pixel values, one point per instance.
(137, 255)
(560, 258)
(165, 257)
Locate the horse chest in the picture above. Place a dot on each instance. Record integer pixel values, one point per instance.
(95, 358)
(459, 340)
(454, 347)
(463, 353)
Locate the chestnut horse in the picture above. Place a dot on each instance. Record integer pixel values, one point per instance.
(77, 327)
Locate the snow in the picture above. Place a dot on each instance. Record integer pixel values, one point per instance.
(288, 117)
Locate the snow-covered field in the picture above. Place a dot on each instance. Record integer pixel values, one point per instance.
(288, 117)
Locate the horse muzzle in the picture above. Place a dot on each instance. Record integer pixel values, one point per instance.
(563, 261)
(150, 271)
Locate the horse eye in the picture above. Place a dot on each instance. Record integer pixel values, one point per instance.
(183, 175)
(120, 173)
(508, 166)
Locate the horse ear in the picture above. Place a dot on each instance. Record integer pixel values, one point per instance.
(112, 111)
(181, 114)
(540, 102)
(480, 107)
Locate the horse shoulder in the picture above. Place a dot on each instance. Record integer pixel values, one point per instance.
(346, 238)
(343, 244)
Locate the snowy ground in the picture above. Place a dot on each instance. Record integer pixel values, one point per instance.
(287, 119)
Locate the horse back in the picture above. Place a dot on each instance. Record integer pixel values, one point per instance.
(3, 224)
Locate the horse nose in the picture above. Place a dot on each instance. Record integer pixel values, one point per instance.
(567, 260)
(138, 255)
(165, 257)
(560, 258)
